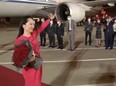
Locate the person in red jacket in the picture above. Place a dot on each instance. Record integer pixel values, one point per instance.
(31, 75)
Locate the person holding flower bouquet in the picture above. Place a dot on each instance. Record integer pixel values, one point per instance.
(31, 74)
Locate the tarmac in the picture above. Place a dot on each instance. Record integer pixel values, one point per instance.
(86, 66)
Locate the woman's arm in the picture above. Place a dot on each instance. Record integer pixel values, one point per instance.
(42, 27)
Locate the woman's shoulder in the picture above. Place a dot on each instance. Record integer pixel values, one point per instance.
(17, 40)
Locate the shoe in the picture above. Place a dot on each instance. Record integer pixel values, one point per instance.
(61, 48)
(106, 48)
(111, 48)
(70, 49)
(96, 46)
(43, 45)
(49, 46)
(52, 46)
(58, 47)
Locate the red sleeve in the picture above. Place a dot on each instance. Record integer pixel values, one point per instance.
(42, 27)
(17, 40)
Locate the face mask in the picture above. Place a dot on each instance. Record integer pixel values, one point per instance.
(51, 22)
(58, 22)
(115, 21)
(89, 20)
(98, 21)
(68, 18)
(107, 20)
(42, 20)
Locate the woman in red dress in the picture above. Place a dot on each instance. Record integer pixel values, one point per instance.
(31, 75)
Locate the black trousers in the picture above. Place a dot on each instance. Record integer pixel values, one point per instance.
(51, 40)
(109, 40)
(43, 39)
(87, 34)
(60, 41)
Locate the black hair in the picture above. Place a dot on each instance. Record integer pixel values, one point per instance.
(23, 21)
(37, 24)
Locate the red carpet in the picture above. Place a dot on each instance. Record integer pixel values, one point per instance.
(9, 77)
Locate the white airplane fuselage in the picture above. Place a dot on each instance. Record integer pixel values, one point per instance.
(68, 0)
(18, 9)
(23, 9)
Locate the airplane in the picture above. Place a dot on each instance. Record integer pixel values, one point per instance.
(62, 8)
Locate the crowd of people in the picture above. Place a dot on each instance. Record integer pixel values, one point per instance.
(55, 33)
(107, 25)
(53, 30)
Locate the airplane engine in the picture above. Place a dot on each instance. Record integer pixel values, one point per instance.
(65, 9)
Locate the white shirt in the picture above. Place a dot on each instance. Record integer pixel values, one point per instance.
(69, 25)
(114, 27)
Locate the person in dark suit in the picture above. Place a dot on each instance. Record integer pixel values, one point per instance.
(109, 33)
(70, 27)
(104, 23)
(88, 30)
(43, 35)
(60, 34)
(51, 34)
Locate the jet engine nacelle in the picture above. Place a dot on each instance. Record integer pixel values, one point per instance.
(65, 9)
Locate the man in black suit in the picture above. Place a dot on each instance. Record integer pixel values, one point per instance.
(88, 30)
(51, 34)
(109, 33)
(104, 23)
(60, 34)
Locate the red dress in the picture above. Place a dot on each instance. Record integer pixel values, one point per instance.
(32, 76)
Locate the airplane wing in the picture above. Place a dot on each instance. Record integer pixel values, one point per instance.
(98, 2)
(34, 2)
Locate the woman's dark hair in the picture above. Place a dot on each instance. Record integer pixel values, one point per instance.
(23, 21)
(37, 24)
